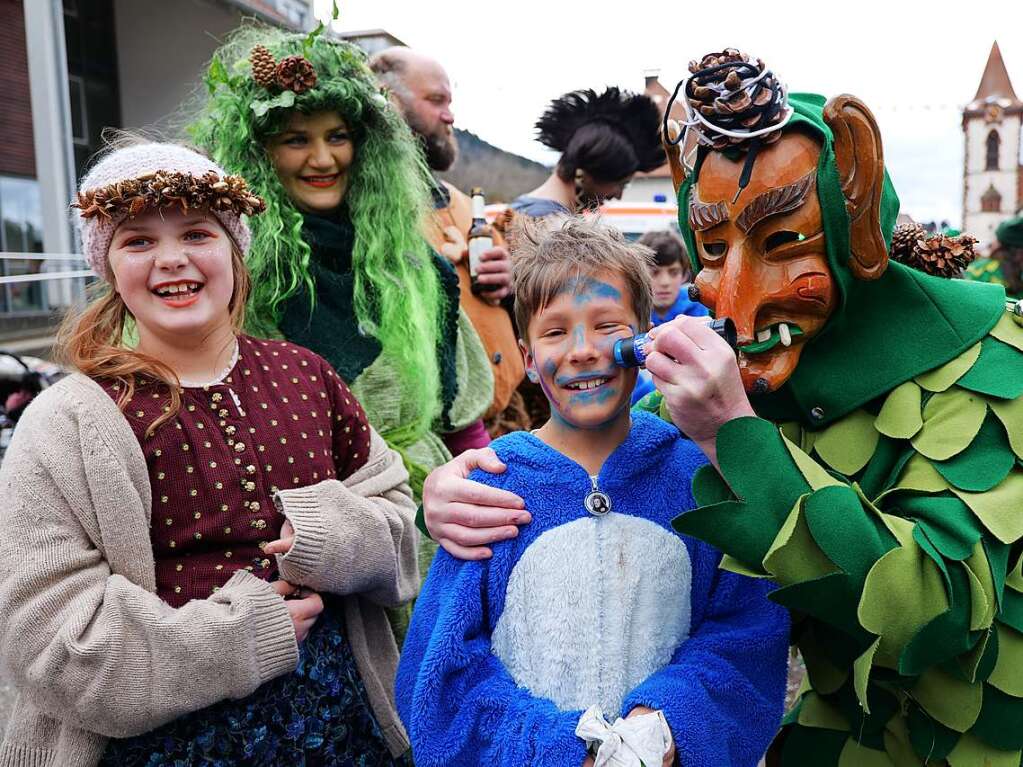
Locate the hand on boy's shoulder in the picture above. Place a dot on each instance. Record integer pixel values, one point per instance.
(466, 510)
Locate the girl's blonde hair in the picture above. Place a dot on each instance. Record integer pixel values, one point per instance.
(93, 340)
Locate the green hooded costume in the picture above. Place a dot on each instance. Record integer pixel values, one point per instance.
(882, 490)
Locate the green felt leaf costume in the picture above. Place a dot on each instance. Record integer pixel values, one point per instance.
(882, 490)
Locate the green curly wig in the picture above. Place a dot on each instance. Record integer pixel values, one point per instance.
(398, 297)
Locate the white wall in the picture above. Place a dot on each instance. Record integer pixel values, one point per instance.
(978, 180)
(643, 189)
(162, 51)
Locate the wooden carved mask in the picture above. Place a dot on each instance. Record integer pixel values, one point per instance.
(763, 255)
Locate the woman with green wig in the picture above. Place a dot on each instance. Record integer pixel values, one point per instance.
(338, 261)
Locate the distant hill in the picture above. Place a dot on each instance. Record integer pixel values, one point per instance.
(503, 175)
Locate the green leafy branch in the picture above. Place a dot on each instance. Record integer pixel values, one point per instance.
(310, 39)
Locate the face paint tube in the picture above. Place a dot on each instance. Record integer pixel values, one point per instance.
(632, 352)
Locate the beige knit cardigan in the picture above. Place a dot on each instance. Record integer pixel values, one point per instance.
(94, 653)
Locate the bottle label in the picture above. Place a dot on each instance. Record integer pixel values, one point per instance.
(477, 247)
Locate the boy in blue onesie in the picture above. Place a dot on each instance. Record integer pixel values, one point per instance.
(598, 601)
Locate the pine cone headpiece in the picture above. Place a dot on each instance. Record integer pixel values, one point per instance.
(263, 66)
(939, 255)
(734, 94)
(295, 73)
(292, 73)
(635, 116)
(732, 101)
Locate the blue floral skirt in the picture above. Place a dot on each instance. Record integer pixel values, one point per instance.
(318, 716)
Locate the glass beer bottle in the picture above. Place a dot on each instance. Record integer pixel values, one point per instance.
(481, 239)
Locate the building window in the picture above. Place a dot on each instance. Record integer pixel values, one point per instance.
(993, 143)
(991, 201)
(92, 75)
(21, 234)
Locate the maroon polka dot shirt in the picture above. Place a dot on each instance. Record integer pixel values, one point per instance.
(280, 418)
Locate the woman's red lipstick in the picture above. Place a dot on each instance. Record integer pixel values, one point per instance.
(321, 181)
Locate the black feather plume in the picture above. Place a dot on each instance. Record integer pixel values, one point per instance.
(634, 115)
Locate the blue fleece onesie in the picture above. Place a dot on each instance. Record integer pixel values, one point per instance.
(503, 656)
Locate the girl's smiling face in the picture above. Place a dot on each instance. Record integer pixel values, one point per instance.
(173, 271)
(312, 157)
(571, 350)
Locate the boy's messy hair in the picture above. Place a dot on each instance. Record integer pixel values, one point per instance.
(668, 249)
(552, 251)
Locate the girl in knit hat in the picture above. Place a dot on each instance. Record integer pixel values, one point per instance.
(201, 529)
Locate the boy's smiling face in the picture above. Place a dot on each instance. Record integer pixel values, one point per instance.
(570, 350)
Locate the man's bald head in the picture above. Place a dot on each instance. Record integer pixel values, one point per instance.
(422, 91)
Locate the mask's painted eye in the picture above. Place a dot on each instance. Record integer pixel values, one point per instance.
(781, 237)
(715, 250)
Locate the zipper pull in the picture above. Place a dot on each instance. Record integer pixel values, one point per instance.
(597, 502)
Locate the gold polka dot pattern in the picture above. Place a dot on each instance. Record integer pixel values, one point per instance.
(215, 491)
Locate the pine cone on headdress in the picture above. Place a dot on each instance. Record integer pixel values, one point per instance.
(295, 73)
(904, 241)
(264, 67)
(946, 256)
(939, 255)
(730, 96)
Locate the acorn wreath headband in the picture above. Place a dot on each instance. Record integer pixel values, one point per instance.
(162, 189)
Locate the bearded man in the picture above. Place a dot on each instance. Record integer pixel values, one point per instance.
(865, 443)
(421, 90)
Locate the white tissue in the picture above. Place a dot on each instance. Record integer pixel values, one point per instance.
(640, 741)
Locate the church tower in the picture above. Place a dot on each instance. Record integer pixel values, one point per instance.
(992, 175)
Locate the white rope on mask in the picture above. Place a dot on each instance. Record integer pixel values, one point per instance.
(700, 124)
(694, 119)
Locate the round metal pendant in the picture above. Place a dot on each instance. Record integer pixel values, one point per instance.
(597, 503)
(1017, 311)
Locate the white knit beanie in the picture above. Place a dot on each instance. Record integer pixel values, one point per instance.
(154, 169)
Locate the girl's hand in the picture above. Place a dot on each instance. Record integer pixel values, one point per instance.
(283, 544)
(304, 607)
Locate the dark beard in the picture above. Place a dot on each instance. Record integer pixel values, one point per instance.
(440, 151)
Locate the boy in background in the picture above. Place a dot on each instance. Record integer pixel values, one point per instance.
(670, 274)
(598, 602)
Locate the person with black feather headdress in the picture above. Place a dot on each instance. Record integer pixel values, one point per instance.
(604, 139)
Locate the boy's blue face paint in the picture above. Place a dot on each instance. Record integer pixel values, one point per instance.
(586, 289)
(572, 340)
(578, 337)
(565, 380)
(549, 368)
(595, 396)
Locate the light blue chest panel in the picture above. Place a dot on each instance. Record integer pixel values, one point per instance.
(592, 608)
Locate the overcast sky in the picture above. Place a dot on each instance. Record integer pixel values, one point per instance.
(915, 63)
